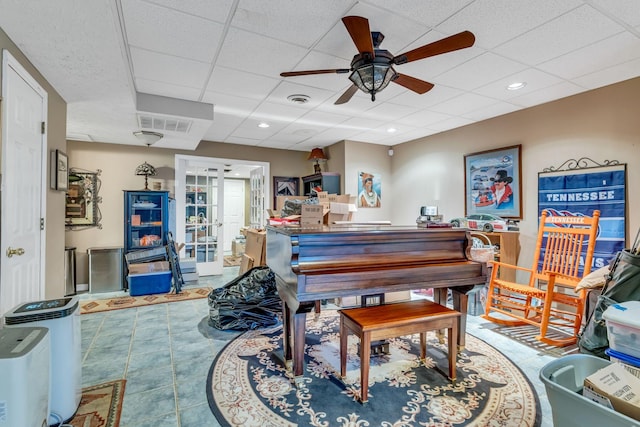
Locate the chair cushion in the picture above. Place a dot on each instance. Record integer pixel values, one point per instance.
(593, 280)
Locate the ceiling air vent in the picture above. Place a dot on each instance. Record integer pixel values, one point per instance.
(148, 121)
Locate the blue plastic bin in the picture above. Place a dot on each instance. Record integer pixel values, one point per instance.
(616, 356)
(155, 282)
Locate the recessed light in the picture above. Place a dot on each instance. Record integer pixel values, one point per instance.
(516, 85)
(392, 130)
(263, 125)
(299, 98)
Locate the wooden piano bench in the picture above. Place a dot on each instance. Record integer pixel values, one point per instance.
(393, 320)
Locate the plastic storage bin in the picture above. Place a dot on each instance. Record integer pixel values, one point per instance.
(623, 327)
(157, 282)
(563, 380)
(616, 356)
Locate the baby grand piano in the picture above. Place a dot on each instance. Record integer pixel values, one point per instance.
(312, 264)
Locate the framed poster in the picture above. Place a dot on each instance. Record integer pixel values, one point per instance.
(285, 186)
(581, 189)
(493, 182)
(59, 171)
(369, 190)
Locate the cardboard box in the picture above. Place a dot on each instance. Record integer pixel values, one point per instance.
(256, 246)
(339, 211)
(617, 387)
(148, 267)
(135, 219)
(313, 215)
(246, 264)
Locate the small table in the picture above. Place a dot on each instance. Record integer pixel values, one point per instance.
(393, 320)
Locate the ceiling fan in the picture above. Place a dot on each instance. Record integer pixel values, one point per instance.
(372, 68)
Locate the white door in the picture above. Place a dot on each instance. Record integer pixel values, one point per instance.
(257, 197)
(200, 201)
(24, 153)
(233, 210)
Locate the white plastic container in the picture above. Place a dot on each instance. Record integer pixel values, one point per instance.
(623, 327)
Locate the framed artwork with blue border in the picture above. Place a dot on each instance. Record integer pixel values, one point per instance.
(493, 182)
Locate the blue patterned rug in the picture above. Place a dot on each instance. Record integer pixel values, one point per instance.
(247, 386)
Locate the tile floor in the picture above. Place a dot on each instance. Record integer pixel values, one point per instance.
(165, 351)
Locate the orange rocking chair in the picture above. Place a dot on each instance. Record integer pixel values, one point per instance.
(549, 298)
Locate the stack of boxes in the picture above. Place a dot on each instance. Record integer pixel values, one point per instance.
(330, 209)
(149, 272)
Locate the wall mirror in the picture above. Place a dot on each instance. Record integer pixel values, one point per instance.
(82, 208)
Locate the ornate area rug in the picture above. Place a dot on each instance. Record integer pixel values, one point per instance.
(248, 386)
(95, 306)
(100, 405)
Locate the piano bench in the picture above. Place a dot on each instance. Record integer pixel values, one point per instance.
(393, 320)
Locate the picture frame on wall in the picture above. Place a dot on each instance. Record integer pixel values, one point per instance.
(59, 175)
(285, 186)
(493, 182)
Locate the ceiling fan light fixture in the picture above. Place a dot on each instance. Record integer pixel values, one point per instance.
(372, 78)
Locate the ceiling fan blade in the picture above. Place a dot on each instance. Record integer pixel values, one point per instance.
(411, 83)
(347, 95)
(358, 28)
(306, 73)
(449, 44)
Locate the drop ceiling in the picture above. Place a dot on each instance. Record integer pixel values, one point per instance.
(227, 55)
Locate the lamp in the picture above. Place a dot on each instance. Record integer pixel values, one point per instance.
(146, 170)
(373, 75)
(316, 155)
(148, 137)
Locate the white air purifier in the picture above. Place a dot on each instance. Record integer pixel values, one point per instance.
(62, 318)
(24, 377)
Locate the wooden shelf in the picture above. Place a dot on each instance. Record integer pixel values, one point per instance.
(509, 250)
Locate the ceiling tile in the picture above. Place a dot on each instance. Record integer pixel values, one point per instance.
(311, 20)
(268, 57)
(167, 89)
(601, 55)
(163, 30)
(169, 69)
(610, 75)
(534, 79)
(547, 94)
(217, 11)
(240, 83)
(495, 22)
(463, 104)
(479, 71)
(625, 10)
(566, 33)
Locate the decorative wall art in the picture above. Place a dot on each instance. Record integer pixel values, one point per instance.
(82, 205)
(577, 188)
(369, 192)
(493, 182)
(59, 170)
(285, 186)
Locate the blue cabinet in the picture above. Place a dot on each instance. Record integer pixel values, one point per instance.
(146, 217)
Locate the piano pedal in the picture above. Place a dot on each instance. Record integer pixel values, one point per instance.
(378, 348)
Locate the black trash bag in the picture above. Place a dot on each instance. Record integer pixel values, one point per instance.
(250, 301)
(623, 284)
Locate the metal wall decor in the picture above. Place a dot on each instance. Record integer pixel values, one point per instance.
(82, 204)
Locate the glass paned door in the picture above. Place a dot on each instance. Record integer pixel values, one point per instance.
(203, 206)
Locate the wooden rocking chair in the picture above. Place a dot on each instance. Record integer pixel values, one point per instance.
(549, 298)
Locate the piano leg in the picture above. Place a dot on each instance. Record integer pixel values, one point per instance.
(293, 336)
(440, 296)
(460, 300)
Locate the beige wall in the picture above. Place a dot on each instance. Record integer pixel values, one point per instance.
(56, 133)
(118, 163)
(602, 125)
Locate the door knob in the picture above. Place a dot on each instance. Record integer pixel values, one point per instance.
(17, 251)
